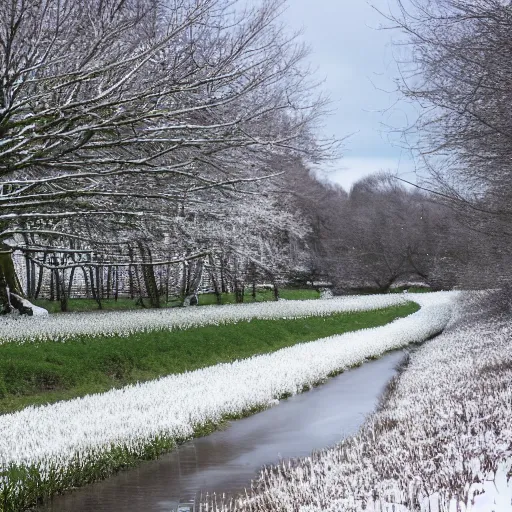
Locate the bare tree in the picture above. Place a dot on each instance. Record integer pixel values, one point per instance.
(459, 73)
(121, 109)
(383, 234)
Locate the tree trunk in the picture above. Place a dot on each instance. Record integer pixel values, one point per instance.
(276, 291)
(40, 277)
(213, 277)
(70, 281)
(60, 280)
(32, 289)
(29, 275)
(57, 284)
(238, 283)
(223, 286)
(167, 277)
(130, 274)
(253, 280)
(140, 300)
(116, 290)
(148, 273)
(99, 282)
(29, 270)
(195, 275)
(184, 280)
(52, 285)
(11, 294)
(109, 281)
(95, 289)
(86, 282)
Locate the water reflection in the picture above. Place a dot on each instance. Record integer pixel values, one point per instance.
(227, 461)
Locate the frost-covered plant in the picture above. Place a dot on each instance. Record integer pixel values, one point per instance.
(482, 305)
(442, 439)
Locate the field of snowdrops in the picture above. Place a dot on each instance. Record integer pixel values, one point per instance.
(441, 440)
(125, 323)
(44, 450)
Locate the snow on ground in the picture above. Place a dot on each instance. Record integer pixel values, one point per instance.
(53, 435)
(65, 326)
(441, 441)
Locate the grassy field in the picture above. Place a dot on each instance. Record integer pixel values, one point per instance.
(123, 304)
(37, 373)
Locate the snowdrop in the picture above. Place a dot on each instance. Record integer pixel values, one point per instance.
(65, 327)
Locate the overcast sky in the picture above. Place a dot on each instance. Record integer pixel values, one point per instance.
(356, 60)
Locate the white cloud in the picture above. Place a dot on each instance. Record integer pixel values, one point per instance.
(349, 170)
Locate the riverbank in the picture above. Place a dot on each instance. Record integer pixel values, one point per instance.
(49, 449)
(47, 372)
(226, 461)
(440, 441)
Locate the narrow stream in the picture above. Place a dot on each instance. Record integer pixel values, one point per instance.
(227, 461)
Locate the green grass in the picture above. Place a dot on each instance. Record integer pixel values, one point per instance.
(298, 294)
(261, 296)
(123, 304)
(84, 305)
(38, 373)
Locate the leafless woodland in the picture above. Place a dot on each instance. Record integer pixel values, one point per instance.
(143, 140)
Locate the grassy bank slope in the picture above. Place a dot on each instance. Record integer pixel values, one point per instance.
(38, 373)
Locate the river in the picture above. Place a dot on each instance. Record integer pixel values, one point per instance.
(226, 461)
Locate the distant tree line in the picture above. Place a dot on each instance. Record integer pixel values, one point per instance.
(455, 227)
(382, 234)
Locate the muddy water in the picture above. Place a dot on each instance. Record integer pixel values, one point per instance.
(226, 461)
